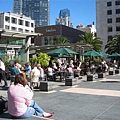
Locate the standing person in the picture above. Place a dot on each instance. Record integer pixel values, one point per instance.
(2, 73)
(41, 77)
(34, 76)
(22, 105)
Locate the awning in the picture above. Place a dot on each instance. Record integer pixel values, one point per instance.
(14, 34)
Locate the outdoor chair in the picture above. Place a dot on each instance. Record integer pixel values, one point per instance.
(12, 79)
(50, 76)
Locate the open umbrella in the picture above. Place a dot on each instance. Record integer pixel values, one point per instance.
(62, 50)
(104, 54)
(64, 56)
(114, 55)
(92, 53)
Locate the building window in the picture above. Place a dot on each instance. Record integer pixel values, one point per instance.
(109, 4)
(27, 23)
(14, 20)
(109, 20)
(117, 28)
(46, 41)
(110, 37)
(20, 22)
(109, 12)
(32, 25)
(7, 18)
(109, 29)
(27, 31)
(117, 11)
(6, 27)
(20, 29)
(13, 28)
(118, 20)
(117, 2)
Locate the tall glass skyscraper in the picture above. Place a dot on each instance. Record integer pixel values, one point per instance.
(38, 10)
(64, 18)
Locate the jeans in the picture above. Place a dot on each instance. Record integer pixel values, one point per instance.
(33, 109)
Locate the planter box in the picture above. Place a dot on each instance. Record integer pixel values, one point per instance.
(46, 86)
(111, 72)
(117, 71)
(90, 78)
(101, 75)
(70, 81)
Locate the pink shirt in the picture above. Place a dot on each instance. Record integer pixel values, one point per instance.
(19, 97)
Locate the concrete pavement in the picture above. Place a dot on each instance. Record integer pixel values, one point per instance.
(93, 100)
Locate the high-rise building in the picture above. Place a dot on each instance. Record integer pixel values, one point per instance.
(107, 19)
(64, 18)
(38, 10)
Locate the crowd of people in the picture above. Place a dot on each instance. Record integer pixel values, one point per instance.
(62, 68)
(22, 105)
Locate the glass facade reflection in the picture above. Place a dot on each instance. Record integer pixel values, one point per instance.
(38, 10)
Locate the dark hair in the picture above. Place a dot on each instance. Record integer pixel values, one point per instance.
(1, 59)
(21, 79)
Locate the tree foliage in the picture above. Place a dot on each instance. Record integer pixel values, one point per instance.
(41, 58)
(113, 45)
(61, 41)
(88, 38)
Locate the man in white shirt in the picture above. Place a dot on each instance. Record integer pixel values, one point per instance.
(2, 73)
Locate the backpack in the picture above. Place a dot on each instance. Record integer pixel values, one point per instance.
(3, 104)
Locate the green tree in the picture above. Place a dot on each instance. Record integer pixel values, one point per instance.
(113, 45)
(61, 41)
(41, 58)
(88, 38)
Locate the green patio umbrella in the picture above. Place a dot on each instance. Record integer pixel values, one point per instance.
(62, 50)
(92, 53)
(104, 54)
(64, 56)
(114, 55)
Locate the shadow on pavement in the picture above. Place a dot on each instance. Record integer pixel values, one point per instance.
(110, 81)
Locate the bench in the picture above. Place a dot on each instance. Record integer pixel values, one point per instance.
(117, 71)
(46, 85)
(111, 72)
(101, 75)
(70, 81)
(90, 77)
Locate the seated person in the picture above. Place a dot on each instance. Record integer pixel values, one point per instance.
(70, 70)
(50, 73)
(21, 105)
(14, 70)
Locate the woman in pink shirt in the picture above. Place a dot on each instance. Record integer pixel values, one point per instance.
(20, 102)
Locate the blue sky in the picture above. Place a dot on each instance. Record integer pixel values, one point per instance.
(81, 11)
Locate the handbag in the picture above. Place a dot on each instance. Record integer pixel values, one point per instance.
(3, 104)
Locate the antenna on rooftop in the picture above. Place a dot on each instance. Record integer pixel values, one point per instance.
(21, 7)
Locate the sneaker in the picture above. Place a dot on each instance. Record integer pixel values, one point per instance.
(48, 115)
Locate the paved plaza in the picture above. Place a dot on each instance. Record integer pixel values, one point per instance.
(88, 100)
